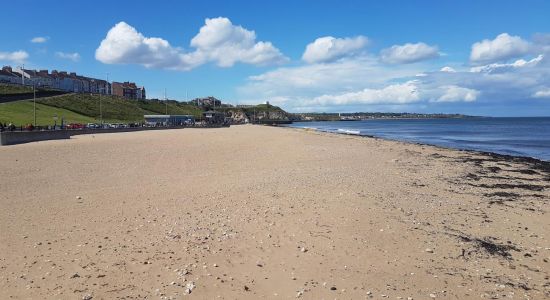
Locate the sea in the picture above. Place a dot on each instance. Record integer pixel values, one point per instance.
(512, 136)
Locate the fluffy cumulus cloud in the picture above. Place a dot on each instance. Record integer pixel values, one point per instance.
(218, 41)
(70, 56)
(226, 44)
(328, 48)
(39, 39)
(503, 47)
(408, 53)
(15, 57)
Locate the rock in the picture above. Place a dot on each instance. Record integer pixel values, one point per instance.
(75, 275)
(333, 288)
(259, 264)
(303, 249)
(78, 198)
(189, 287)
(246, 288)
(87, 297)
(432, 296)
(429, 250)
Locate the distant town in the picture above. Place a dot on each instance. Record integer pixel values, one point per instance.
(70, 82)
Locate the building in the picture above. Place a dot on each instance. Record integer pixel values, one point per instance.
(169, 120)
(128, 90)
(214, 117)
(140, 93)
(8, 76)
(208, 101)
(60, 80)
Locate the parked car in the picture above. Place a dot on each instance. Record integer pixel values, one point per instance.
(75, 126)
(93, 126)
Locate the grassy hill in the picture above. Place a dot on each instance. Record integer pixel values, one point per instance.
(14, 89)
(6, 88)
(21, 113)
(84, 108)
(174, 108)
(113, 107)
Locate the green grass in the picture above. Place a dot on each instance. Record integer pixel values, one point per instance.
(113, 107)
(21, 113)
(174, 108)
(84, 108)
(14, 89)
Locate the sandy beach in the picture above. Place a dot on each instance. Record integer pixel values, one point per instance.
(252, 212)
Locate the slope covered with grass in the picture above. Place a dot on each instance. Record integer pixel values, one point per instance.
(113, 107)
(21, 113)
(14, 89)
(174, 108)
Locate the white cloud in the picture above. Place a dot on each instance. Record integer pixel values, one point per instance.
(520, 63)
(544, 93)
(328, 48)
(503, 47)
(311, 80)
(408, 53)
(226, 44)
(218, 41)
(16, 56)
(453, 93)
(447, 69)
(393, 94)
(70, 56)
(39, 39)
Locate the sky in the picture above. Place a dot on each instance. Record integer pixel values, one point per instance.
(487, 57)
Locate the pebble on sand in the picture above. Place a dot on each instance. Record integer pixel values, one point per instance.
(189, 287)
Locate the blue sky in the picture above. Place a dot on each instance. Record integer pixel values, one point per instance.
(474, 57)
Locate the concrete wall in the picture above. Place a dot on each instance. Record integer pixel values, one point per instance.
(20, 137)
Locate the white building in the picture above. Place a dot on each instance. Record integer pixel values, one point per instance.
(8, 76)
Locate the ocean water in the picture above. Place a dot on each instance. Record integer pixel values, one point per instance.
(512, 136)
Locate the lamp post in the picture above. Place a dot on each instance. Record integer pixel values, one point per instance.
(100, 110)
(34, 104)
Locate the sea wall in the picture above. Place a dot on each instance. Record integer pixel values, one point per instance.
(21, 137)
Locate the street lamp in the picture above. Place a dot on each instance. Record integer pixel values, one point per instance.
(34, 103)
(100, 110)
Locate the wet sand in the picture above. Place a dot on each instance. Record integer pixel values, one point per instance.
(252, 212)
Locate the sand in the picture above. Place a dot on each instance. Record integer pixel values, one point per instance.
(252, 212)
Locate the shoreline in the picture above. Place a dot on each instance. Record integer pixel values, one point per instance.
(527, 159)
(252, 212)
